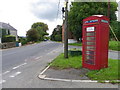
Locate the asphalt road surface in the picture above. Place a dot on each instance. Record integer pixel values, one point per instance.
(22, 65)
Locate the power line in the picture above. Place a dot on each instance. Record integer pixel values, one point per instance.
(58, 11)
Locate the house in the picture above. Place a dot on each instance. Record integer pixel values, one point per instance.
(9, 29)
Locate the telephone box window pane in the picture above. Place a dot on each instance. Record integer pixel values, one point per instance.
(90, 48)
(91, 38)
(89, 61)
(90, 43)
(90, 52)
(90, 33)
(89, 57)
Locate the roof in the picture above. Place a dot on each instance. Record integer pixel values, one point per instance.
(7, 26)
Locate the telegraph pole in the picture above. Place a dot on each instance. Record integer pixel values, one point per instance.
(66, 31)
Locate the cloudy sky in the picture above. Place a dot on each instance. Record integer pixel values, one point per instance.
(21, 14)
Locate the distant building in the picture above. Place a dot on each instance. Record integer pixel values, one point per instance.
(9, 29)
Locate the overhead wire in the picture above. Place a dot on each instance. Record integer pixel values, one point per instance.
(57, 11)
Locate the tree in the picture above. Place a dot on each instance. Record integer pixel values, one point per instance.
(32, 35)
(81, 10)
(57, 33)
(41, 28)
(116, 28)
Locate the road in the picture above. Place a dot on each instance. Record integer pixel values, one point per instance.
(21, 66)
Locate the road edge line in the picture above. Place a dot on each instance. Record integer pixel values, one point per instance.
(45, 70)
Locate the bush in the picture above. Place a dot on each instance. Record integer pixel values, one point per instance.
(23, 40)
(33, 35)
(58, 37)
(8, 38)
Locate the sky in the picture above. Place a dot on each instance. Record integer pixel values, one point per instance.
(21, 14)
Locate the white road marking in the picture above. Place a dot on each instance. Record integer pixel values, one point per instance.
(45, 69)
(3, 81)
(6, 72)
(19, 66)
(14, 75)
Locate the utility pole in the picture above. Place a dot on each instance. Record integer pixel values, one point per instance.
(66, 31)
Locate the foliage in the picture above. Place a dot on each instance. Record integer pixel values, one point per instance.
(114, 45)
(58, 37)
(8, 38)
(41, 28)
(57, 33)
(23, 40)
(81, 10)
(116, 28)
(32, 35)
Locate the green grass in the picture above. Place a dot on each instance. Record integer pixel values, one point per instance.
(113, 45)
(110, 73)
(75, 44)
(72, 62)
(38, 42)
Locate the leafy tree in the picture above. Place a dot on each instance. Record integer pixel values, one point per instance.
(58, 37)
(116, 28)
(81, 10)
(32, 35)
(57, 33)
(41, 28)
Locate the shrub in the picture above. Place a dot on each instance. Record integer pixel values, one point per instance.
(58, 38)
(8, 38)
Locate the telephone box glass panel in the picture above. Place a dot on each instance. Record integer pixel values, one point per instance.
(90, 43)
(91, 38)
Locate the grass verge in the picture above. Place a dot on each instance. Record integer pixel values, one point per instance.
(110, 73)
(113, 45)
(75, 44)
(61, 63)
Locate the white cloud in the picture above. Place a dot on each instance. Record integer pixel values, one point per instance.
(44, 10)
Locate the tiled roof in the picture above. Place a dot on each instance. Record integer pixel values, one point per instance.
(7, 26)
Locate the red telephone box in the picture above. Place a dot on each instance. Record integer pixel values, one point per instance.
(95, 42)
